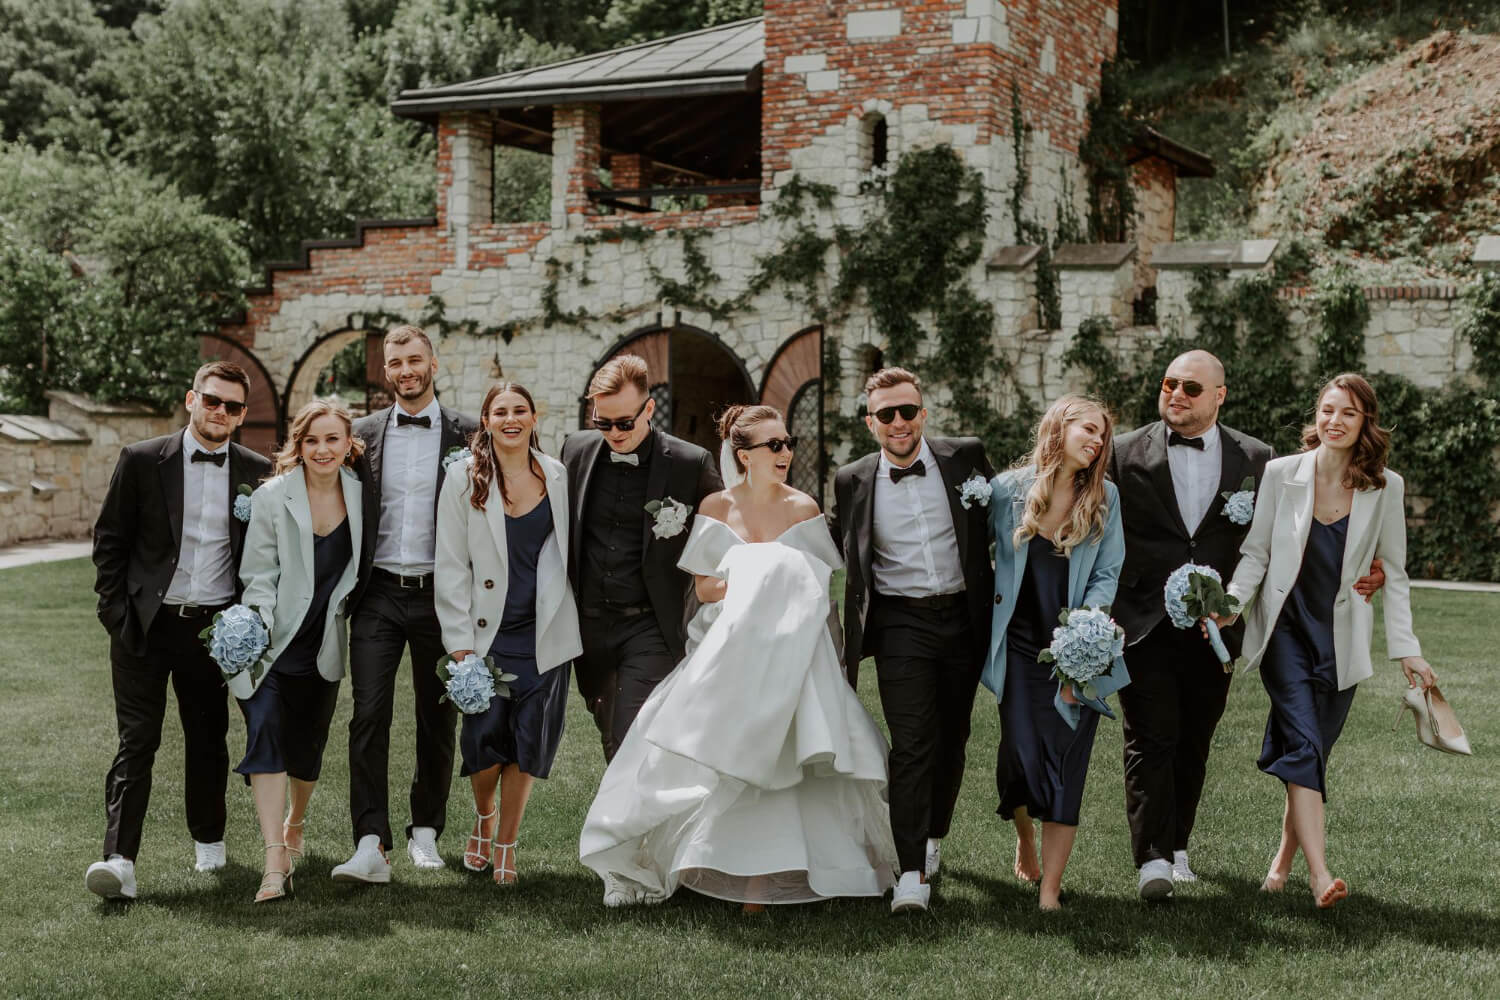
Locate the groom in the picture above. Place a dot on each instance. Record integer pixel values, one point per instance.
(917, 597)
(623, 565)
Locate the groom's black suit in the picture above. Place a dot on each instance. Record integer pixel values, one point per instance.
(1177, 689)
(632, 598)
(137, 543)
(928, 651)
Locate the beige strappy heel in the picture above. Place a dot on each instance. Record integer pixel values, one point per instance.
(295, 853)
(270, 891)
(502, 852)
(483, 854)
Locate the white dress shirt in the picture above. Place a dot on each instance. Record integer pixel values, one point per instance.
(915, 544)
(205, 561)
(406, 537)
(1195, 476)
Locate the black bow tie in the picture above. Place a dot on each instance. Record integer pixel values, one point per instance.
(216, 457)
(914, 469)
(406, 419)
(1174, 438)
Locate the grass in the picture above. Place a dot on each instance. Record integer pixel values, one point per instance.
(1414, 832)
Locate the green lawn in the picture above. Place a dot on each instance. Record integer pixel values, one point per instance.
(1414, 832)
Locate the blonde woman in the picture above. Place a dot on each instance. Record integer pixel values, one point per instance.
(1058, 544)
(299, 568)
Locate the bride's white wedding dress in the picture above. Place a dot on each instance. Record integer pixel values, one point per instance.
(752, 773)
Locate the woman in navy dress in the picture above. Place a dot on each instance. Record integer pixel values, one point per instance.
(1319, 516)
(305, 516)
(1058, 544)
(501, 586)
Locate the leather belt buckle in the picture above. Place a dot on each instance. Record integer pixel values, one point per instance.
(186, 610)
(414, 582)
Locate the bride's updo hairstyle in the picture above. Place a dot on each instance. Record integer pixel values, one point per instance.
(735, 424)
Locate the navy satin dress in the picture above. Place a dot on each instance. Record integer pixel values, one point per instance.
(1043, 761)
(1307, 708)
(287, 718)
(526, 728)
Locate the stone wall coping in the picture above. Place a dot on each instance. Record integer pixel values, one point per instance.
(1384, 292)
(30, 429)
(1229, 254)
(94, 407)
(1092, 256)
(1487, 253)
(1014, 258)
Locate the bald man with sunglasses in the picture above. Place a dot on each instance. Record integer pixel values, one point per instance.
(1173, 476)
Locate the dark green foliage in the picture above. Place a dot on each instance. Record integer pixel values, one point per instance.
(1343, 314)
(1104, 153)
(55, 81)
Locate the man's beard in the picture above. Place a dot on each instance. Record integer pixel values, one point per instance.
(423, 384)
(217, 433)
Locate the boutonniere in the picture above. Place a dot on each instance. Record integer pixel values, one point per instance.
(458, 453)
(242, 503)
(668, 517)
(975, 489)
(1239, 506)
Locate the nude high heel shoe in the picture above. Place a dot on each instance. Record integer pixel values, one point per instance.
(1437, 724)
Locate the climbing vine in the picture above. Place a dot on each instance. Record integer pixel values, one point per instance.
(1104, 154)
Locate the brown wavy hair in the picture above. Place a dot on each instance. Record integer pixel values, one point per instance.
(1372, 447)
(1090, 509)
(482, 470)
(735, 423)
(290, 454)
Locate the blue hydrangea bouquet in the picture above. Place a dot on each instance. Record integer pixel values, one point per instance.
(237, 641)
(472, 682)
(1194, 592)
(1084, 646)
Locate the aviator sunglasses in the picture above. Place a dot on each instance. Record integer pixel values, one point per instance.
(1193, 389)
(211, 402)
(623, 423)
(886, 414)
(777, 445)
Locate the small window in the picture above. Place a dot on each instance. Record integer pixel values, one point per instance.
(879, 142)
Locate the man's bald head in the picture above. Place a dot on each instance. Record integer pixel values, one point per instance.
(1192, 392)
(1199, 356)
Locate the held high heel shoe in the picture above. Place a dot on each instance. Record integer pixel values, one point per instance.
(1437, 724)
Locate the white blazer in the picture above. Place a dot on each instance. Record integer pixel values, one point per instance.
(471, 570)
(1271, 558)
(277, 571)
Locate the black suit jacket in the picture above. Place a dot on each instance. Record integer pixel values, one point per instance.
(679, 470)
(458, 429)
(1156, 540)
(138, 535)
(853, 523)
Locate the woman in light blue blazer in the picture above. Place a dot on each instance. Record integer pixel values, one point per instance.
(299, 567)
(501, 589)
(1058, 544)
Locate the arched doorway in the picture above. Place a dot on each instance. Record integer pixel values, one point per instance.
(262, 429)
(347, 364)
(794, 385)
(694, 376)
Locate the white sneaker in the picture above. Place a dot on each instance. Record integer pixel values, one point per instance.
(619, 891)
(367, 865)
(112, 879)
(210, 857)
(422, 848)
(911, 894)
(1156, 880)
(1180, 870)
(934, 856)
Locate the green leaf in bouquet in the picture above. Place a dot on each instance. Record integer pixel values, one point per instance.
(1090, 692)
(1062, 617)
(1045, 656)
(246, 489)
(652, 506)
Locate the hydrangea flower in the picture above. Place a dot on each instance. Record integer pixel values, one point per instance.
(455, 455)
(668, 517)
(242, 507)
(237, 639)
(1239, 506)
(1084, 646)
(471, 684)
(1176, 592)
(975, 490)
(1193, 593)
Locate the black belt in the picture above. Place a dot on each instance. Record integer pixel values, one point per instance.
(935, 602)
(615, 611)
(193, 610)
(419, 582)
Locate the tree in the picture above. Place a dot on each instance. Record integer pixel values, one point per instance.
(642, 20)
(54, 85)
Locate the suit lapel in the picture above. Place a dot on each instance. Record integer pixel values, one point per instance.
(947, 464)
(557, 484)
(656, 487)
(169, 467)
(352, 509)
(301, 510)
(494, 518)
(236, 529)
(1232, 465)
(587, 460)
(1155, 442)
(374, 447)
(1299, 489)
(1361, 511)
(451, 436)
(862, 513)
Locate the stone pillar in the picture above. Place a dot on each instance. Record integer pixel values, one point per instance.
(1011, 276)
(575, 163)
(465, 170)
(1176, 262)
(1095, 279)
(630, 170)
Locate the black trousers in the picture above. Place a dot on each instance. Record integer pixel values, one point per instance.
(389, 620)
(928, 673)
(1171, 706)
(173, 652)
(624, 658)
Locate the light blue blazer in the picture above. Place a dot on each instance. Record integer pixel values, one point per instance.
(1093, 576)
(277, 571)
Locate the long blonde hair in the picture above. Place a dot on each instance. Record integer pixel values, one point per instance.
(1087, 517)
(290, 455)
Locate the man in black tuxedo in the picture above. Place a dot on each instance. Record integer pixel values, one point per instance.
(167, 549)
(632, 598)
(406, 445)
(918, 597)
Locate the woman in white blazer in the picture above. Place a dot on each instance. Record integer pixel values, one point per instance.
(299, 568)
(1322, 516)
(501, 589)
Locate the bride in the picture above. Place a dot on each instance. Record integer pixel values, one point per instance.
(753, 773)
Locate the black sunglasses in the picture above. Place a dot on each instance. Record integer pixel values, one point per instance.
(886, 414)
(1193, 389)
(777, 445)
(624, 423)
(211, 402)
